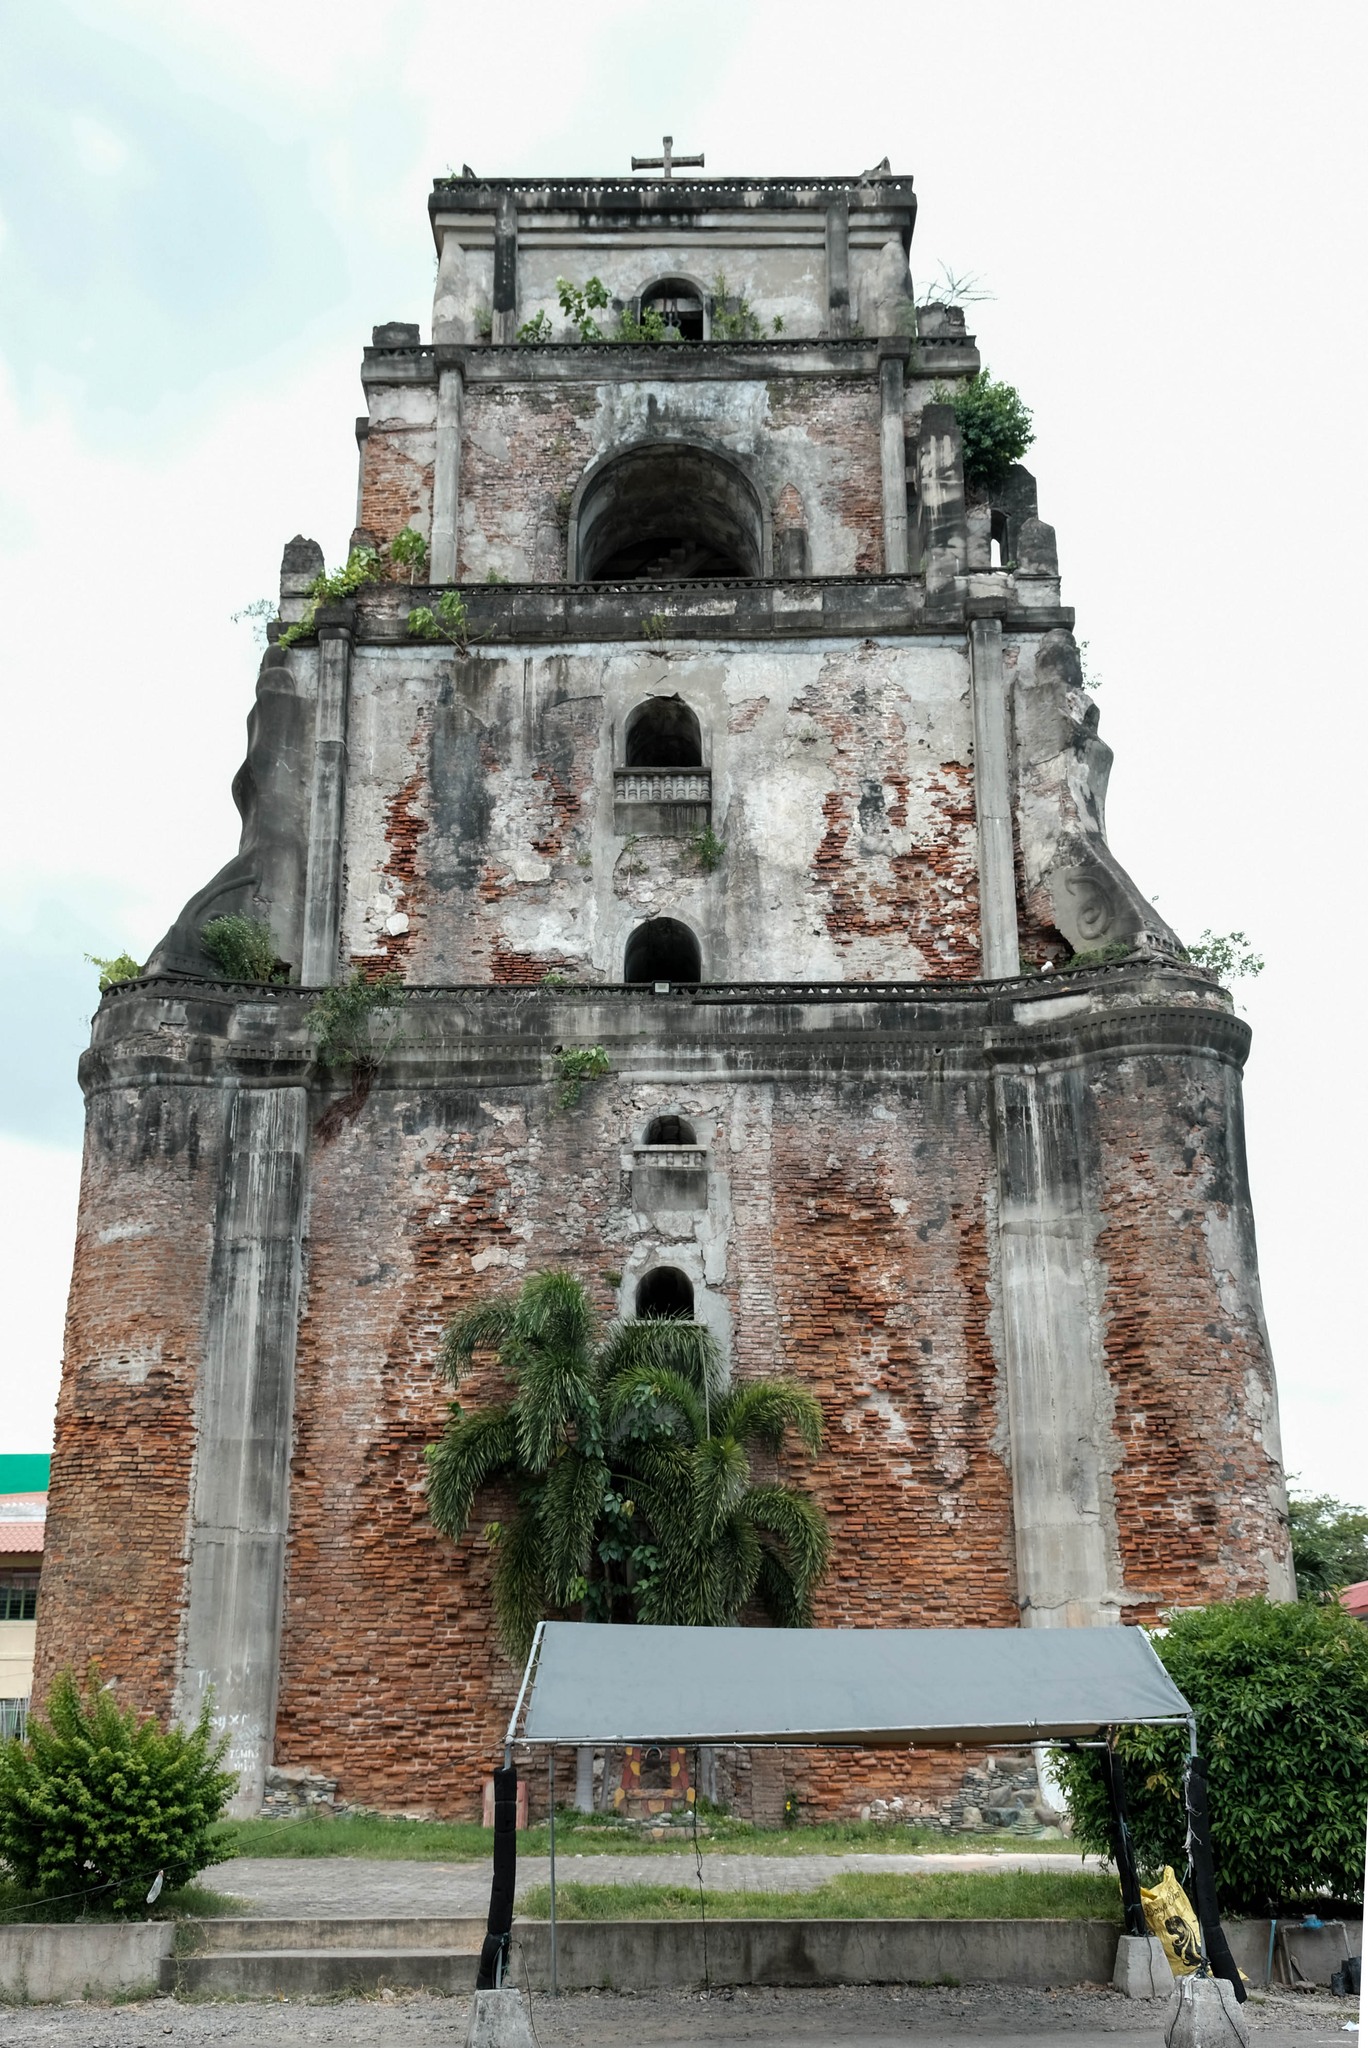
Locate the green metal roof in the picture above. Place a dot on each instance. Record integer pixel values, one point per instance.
(24, 1471)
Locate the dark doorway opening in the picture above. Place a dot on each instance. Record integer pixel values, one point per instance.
(664, 733)
(665, 1295)
(663, 949)
(670, 1130)
(669, 512)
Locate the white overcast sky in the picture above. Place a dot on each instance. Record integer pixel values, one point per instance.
(205, 206)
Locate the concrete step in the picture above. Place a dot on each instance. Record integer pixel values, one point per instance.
(462, 1936)
(317, 1972)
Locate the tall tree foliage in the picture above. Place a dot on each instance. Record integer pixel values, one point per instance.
(1329, 1545)
(1281, 1698)
(629, 1458)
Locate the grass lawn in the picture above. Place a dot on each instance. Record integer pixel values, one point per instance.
(862, 1895)
(440, 1841)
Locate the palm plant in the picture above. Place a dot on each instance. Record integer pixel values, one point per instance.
(629, 1459)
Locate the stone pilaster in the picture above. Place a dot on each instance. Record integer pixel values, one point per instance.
(993, 801)
(838, 265)
(448, 298)
(893, 455)
(446, 478)
(1059, 1399)
(505, 269)
(323, 885)
(244, 1409)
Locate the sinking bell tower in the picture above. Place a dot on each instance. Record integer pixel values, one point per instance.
(683, 704)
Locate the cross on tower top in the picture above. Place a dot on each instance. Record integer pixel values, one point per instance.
(668, 161)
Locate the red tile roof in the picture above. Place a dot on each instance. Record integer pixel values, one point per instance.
(16, 1536)
(1355, 1598)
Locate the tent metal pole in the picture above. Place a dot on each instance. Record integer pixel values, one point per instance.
(1217, 1961)
(512, 1735)
(1123, 1849)
(551, 1784)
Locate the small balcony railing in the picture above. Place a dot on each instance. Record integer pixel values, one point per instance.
(662, 786)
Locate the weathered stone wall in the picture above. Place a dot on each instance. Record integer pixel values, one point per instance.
(525, 447)
(481, 812)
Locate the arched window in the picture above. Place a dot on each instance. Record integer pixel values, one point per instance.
(668, 512)
(665, 1295)
(662, 949)
(679, 304)
(664, 733)
(670, 1130)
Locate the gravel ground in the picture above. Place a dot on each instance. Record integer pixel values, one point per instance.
(320, 1886)
(866, 2018)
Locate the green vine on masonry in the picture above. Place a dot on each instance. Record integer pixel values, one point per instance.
(340, 1020)
(361, 567)
(577, 1065)
(707, 849)
(364, 565)
(733, 316)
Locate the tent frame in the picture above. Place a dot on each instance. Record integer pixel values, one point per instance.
(1215, 1953)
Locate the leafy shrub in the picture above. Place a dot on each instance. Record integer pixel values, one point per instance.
(1227, 955)
(580, 302)
(242, 948)
(123, 967)
(408, 550)
(96, 1802)
(1097, 956)
(340, 1020)
(1329, 1545)
(995, 426)
(733, 316)
(535, 330)
(651, 326)
(450, 621)
(577, 1064)
(1281, 1698)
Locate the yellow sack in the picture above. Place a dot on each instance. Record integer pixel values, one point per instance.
(1169, 1914)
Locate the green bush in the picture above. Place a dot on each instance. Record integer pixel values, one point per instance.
(1281, 1698)
(242, 948)
(123, 967)
(95, 1803)
(995, 426)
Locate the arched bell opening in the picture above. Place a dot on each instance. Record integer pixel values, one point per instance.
(665, 1295)
(668, 512)
(662, 949)
(664, 733)
(679, 302)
